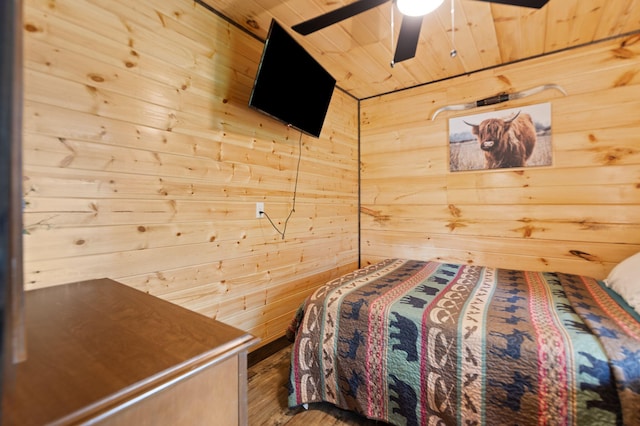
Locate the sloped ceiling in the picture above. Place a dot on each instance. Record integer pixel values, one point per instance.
(359, 50)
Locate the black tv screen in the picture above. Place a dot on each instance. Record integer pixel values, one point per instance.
(291, 85)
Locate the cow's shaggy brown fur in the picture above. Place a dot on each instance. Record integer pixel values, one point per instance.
(506, 142)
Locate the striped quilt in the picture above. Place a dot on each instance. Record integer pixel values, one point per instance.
(426, 343)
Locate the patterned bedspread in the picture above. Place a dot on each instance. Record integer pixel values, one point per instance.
(426, 343)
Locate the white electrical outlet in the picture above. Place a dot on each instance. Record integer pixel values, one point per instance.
(259, 210)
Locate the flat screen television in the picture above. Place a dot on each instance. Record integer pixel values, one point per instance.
(290, 85)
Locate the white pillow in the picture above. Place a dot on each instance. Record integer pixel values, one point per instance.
(624, 279)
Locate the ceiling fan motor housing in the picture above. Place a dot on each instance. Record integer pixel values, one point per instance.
(418, 7)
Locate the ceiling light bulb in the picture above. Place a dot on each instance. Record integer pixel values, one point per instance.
(418, 7)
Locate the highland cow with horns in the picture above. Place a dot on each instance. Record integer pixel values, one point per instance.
(506, 142)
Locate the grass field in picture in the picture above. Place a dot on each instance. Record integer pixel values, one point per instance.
(467, 155)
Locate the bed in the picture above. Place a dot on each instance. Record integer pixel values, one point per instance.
(412, 342)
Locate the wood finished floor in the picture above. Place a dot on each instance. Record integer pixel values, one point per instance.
(268, 393)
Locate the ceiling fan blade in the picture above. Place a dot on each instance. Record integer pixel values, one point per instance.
(536, 4)
(335, 16)
(408, 38)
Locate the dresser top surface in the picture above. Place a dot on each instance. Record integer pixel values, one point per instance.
(95, 343)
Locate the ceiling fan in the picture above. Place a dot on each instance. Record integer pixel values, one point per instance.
(412, 11)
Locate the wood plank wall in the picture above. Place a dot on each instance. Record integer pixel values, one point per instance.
(143, 163)
(579, 215)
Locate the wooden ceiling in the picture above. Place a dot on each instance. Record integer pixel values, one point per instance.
(358, 51)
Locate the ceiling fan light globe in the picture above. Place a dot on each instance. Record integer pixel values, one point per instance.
(418, 7)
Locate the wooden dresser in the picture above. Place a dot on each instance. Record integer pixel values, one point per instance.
(100, 352)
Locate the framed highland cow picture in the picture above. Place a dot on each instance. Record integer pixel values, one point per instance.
(508, 138)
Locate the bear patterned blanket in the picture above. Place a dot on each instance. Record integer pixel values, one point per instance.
(425, 343)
